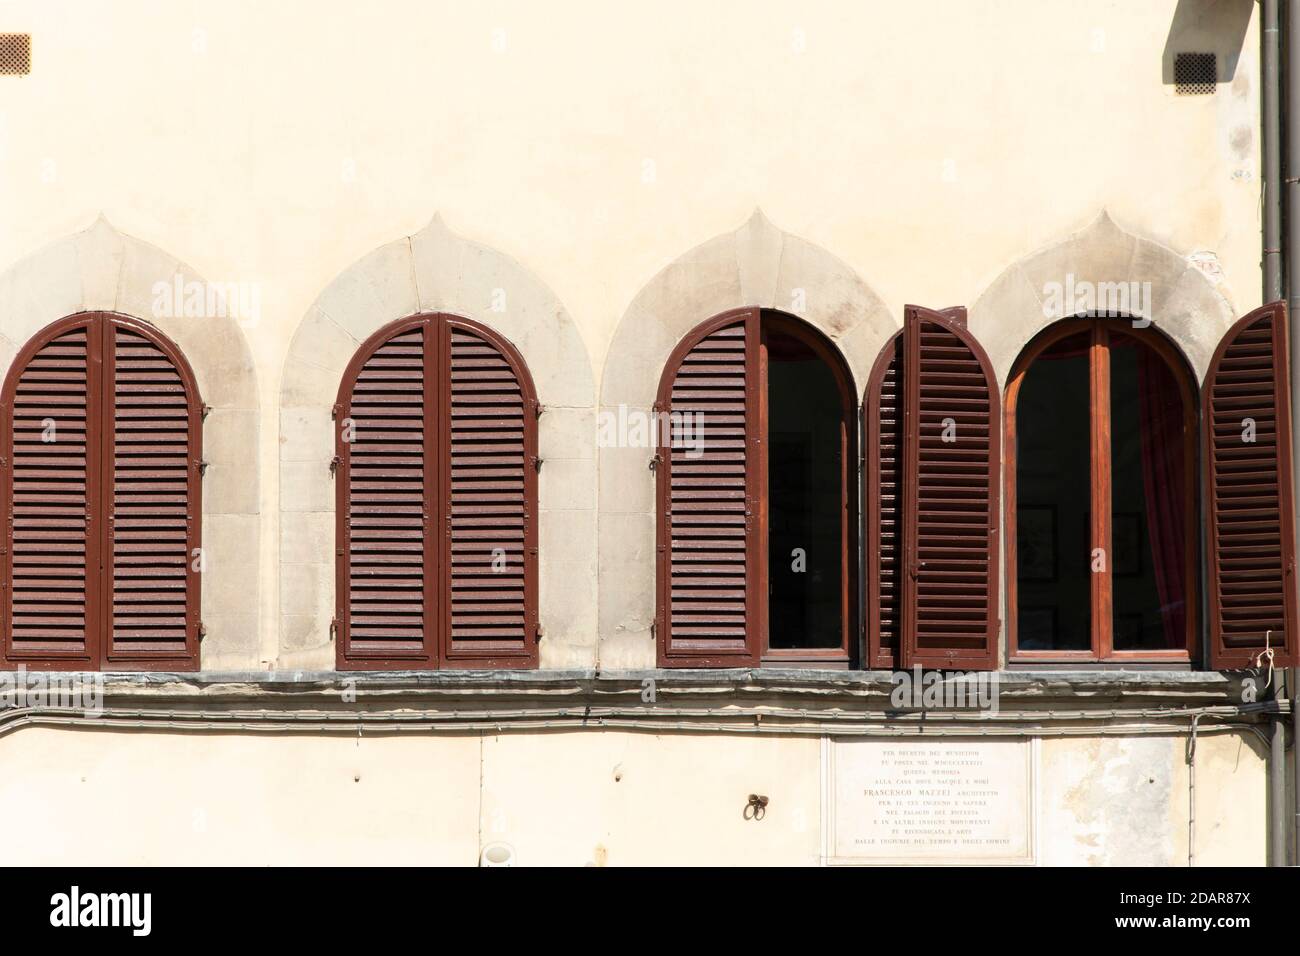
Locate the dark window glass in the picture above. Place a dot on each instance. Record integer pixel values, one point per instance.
(1053, 495)
(805, 504)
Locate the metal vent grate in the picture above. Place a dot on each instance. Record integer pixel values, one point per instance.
(15, 54)
(1195, 74)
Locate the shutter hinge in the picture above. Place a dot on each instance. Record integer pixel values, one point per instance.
(4, 462)
(334, 411)
(334, 464)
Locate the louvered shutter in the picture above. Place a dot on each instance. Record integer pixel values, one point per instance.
(490, 479)
(882, 505)
(387, 443)
(1249, 501)
(103, 426)
(437, 500)
(708, 532)
(51, 562)
(951, 483)
(152, 487)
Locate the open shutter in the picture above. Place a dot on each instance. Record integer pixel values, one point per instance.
(50, 563)
(709, 511)
(1249, 502)
(951, 482)
(151, 481)
(882, 505)
(490, 477)
(385, 448)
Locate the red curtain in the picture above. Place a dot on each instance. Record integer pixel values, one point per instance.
(1164, 477)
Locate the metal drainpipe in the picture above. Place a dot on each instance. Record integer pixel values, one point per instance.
(1290, 47)
(1272, 144)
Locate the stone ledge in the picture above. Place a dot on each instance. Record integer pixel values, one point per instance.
(815, 694)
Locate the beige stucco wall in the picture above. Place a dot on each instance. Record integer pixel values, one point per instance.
(622, 799)
(611, 159)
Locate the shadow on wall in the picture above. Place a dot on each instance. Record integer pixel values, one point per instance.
(1207, 26)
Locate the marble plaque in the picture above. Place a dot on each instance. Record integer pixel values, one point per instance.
(930, 801)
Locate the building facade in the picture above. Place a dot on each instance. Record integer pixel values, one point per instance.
(337, 345)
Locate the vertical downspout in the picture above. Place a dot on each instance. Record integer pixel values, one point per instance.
(1271, 108)
(1291, 257)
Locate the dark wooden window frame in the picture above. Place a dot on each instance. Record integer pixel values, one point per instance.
(1102, 649)
(100, 403)
(759, 323)
(437, 651)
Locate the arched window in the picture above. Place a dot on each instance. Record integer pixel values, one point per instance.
(757, 507)
(1101, 489)
(436, 437)
(102, 425)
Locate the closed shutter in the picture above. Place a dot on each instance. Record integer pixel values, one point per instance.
(490, 478)
(708, 533)
(882, 505)
(51, 561)
(102, 420)
(951, 471)
(437, 500)
(1249, 502)
(387, 442)
(152, 485)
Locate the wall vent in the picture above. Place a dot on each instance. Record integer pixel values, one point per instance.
(1195, 74)
(15, 54)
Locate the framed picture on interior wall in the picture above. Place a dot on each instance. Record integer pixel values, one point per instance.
(1036, 628)
(1126, 544)
(1036, 542)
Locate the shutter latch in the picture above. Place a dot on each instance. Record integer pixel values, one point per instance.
(203, 412)
(537, 463)
(334, 627)
(655, 462)
(203, 630)
(202, 466)
(538, 408)
(334, 464)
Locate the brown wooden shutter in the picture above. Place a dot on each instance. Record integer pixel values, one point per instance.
(103, 427)
(386, 444)
(1249, 502)
(882, 505)
(490, 482)
(950, 518)
(709, 513)
(437, 500)
(151, 481)
(51, 571)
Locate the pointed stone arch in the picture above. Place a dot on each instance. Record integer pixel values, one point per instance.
(437, 270)
(756, 265)
(102, 269)
(1183, 303)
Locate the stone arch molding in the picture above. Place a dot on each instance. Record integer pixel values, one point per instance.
(756, 265)
(101, 269)
(436, 270)
(1161, 285)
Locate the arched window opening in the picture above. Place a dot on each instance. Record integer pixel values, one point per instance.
(1101, 431)
(102, 425)
(436, 437)
(756, 515)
